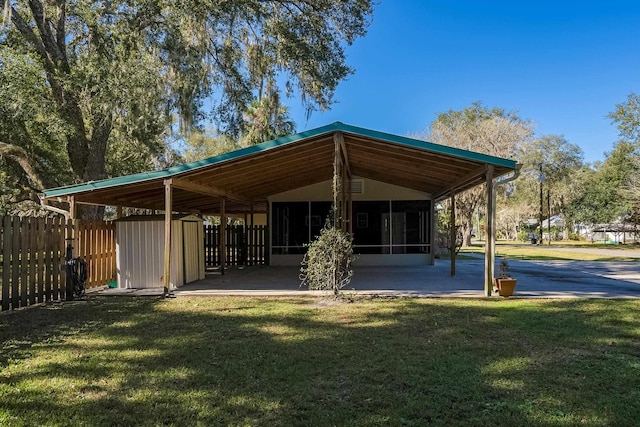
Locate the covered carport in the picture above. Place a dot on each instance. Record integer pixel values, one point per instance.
(240, 182)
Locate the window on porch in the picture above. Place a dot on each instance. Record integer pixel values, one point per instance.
(379, 227)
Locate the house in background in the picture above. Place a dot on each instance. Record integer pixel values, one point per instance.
(617, 232)
(387, 189)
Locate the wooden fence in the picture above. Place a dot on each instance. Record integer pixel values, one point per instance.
(96, 243)
(32, 264)
(33, 257)
(245, 245)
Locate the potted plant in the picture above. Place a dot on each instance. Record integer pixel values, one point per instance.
(503, 281)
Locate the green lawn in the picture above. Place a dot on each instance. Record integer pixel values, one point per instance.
(525, 251)
(281, 362)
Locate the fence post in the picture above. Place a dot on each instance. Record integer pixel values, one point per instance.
(24, 261)
(15, 262)
(262, 244)
(33, 261)
(242, 243)
(48, 258)
(40, 250)
(7, 232)
(68, 287)
(218, 252)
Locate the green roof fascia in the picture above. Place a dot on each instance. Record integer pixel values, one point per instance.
(265, 146)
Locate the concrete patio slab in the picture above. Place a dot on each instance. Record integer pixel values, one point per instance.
(536, 279)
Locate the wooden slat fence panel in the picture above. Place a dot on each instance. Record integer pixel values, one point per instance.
(58, 245)
(28, 260)
(6, 262)
(49, 256)
(15, 263)
(33, 259)
(68, 239)
(41, 255)
(34, 252)
(96, 244)
(245, 245)
(210, 245)
(24, 259)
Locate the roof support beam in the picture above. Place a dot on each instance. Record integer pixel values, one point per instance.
(453, 235)
(193, 187)
(345, 184)
(433, 232)
(337, 178)
(168, 209)
(44, 202)
(464, 181)
(73, 207)
(490, 239)
(338, 137)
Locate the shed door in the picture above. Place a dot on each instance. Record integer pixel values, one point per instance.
(191, 245)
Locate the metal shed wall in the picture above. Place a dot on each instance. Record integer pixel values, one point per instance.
(140, 252)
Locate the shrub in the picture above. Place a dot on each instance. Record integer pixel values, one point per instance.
(503, 271)
(575, 236)
(327, 263)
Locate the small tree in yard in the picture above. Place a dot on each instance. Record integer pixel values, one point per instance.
(327, 263)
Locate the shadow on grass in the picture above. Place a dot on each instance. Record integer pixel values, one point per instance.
(125, 361)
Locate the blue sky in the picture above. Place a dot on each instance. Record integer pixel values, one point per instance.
(561, 64)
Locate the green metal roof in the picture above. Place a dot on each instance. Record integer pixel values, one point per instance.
(269, 145)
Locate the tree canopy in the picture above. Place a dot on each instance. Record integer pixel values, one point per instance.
(110, 79)
(603, 199)
(626, 116)
(559, 161)
(492, 131)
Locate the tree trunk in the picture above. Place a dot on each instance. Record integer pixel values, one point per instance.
(20, 156)
(466, 233)
(95, 168)
(86, 148)
(565, 226)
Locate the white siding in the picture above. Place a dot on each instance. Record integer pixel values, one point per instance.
(193, 253)
(140, 253)
(177, 260)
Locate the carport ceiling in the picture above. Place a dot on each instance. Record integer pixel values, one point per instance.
(254, 173)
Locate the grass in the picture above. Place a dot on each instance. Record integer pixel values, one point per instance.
(596, 245)
(280, 362)
(527, 251)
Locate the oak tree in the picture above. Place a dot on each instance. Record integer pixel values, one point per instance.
(112, 78)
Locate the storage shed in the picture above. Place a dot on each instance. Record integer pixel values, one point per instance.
(140, 251)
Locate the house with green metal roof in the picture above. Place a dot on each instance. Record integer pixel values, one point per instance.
(388, 188)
